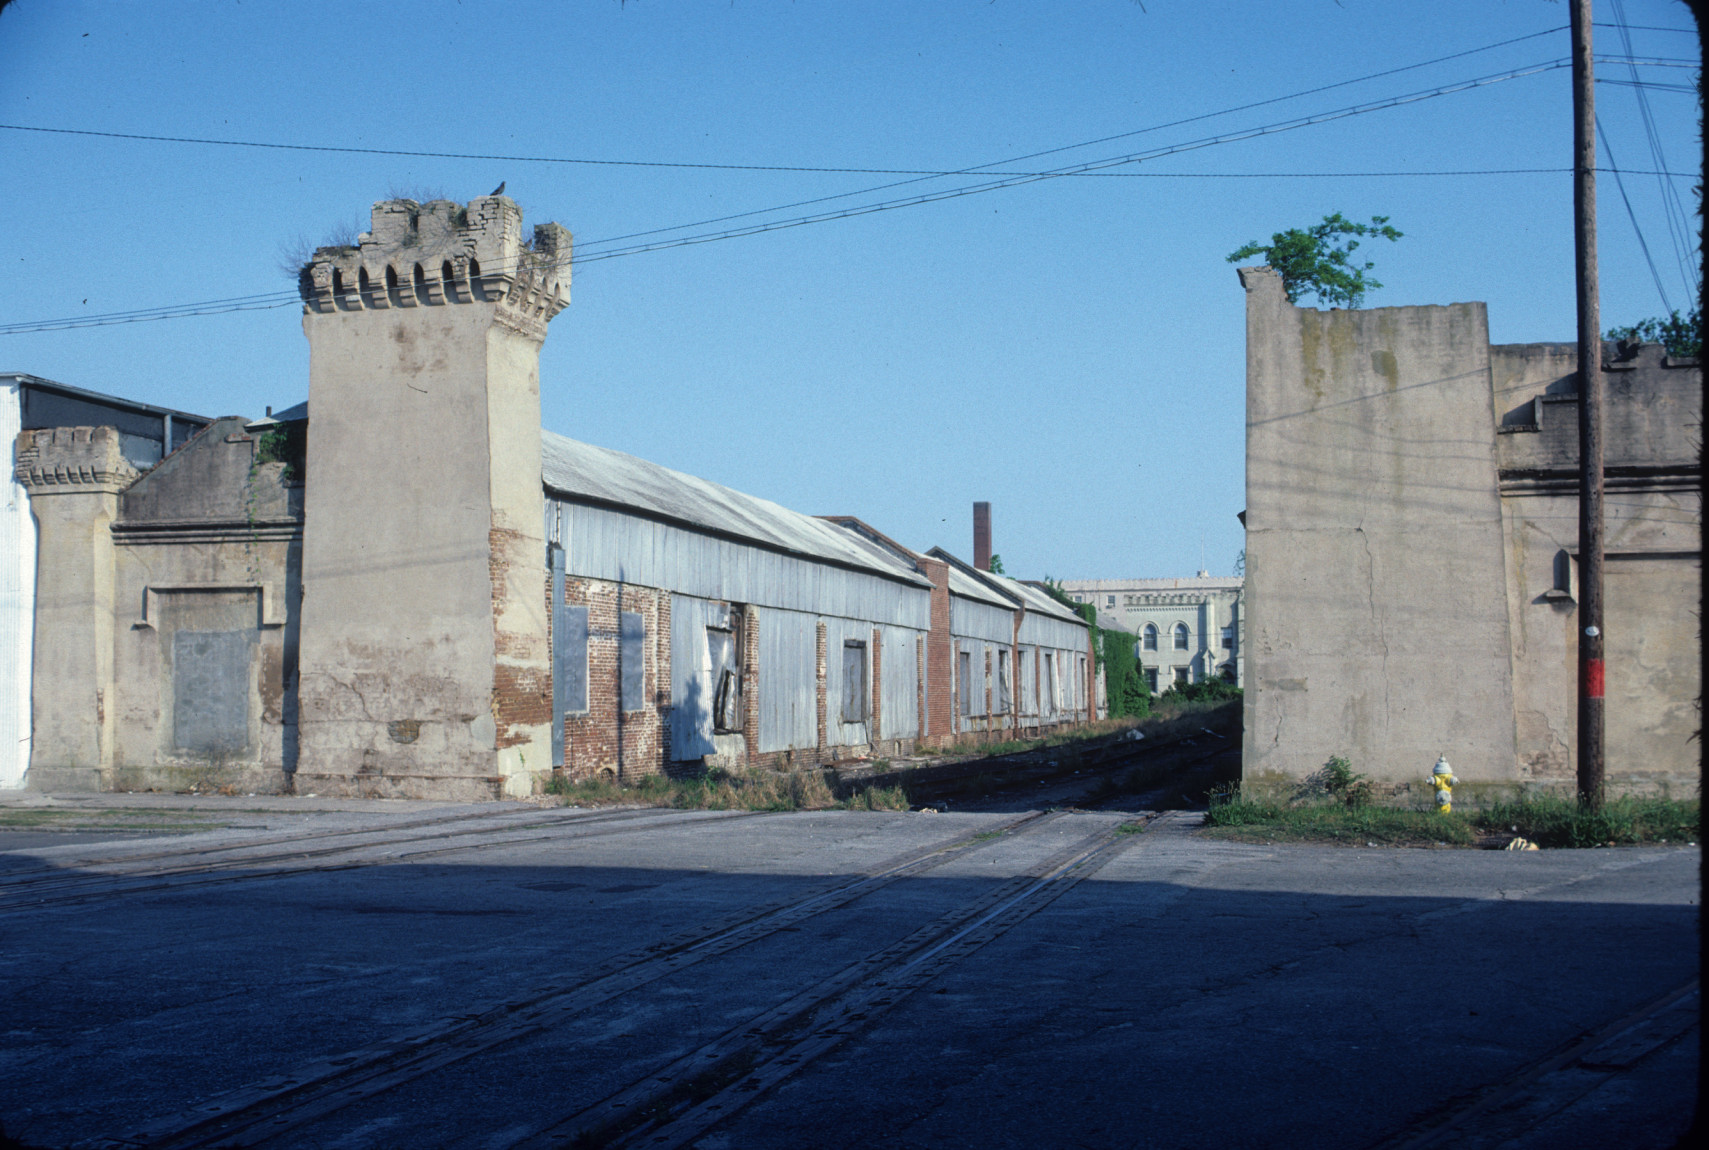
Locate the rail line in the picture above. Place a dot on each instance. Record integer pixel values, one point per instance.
(1605, 1052)
(189, 850)
(272, 1108)
(76, 887)
(672, 1105)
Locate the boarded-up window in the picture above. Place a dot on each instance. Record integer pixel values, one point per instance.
(1051, 691)
(1003, 704)
(964, 682)
(570, 646)
(854, 681)
(210, 690)
(631, 660)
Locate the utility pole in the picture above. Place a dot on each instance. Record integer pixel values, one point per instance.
(1590, 637)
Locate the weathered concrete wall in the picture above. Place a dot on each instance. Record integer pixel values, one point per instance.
(1653, 411)
(74, 476)
(425, 656)
(1377, 616)
(1412, 536)
(207, 568)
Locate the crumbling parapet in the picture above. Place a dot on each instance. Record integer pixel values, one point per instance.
(73, 460)
(443, 253)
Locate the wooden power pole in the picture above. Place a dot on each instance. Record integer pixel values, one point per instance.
(1590, 636)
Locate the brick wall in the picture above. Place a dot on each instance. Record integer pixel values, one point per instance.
(633, 744)
(940, 656)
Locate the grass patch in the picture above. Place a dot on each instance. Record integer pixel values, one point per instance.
(1549, 821)
(723, 791)
(1253, 821)
(1134, 828)
(1555, 821)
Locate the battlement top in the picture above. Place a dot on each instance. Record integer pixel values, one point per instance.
(444, 253)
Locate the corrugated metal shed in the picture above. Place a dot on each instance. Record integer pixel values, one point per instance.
(975, 620)
(598, 475)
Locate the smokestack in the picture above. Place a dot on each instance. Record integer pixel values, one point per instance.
(982, 536)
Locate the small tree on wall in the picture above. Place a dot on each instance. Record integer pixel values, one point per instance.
(1315, 259)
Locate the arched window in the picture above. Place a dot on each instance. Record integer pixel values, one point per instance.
(1150, 637)
(1180, 636)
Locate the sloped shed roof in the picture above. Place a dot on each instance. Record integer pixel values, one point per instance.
(971, 583)
(599, 475)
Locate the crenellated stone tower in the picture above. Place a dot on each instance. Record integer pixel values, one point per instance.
(425, 656)
(74, 476)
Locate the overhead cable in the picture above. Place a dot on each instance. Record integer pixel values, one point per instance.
(1114, 161)
(503, 158)
(1667, 304)
(1673, 208)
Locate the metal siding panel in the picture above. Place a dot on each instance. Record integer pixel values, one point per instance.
(971, 620)
(608, 544)
(691, 695)
(837, 632)
(899, 685)
(787, 683)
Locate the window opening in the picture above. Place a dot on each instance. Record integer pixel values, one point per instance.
(726, 681)
(1180, 636)
(631, 660)
(1004, 704)
(964, 682)
(1150, 637)
(854, 681)
(1228, 638)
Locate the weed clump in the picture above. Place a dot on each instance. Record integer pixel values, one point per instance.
(1339, 811)
(719, 790)
(1341, 782)
(1557, 821)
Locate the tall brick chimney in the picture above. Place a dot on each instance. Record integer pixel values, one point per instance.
(982, 536)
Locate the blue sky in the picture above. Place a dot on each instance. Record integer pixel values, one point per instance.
(1071, 349)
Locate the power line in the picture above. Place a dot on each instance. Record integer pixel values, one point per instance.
(281, 299)
(1673, 210)
(1647, 28)
(1667, 304)
(1116, 161)
(1650, 85)
(796, 168)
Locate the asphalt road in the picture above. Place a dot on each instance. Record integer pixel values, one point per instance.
(415, 975)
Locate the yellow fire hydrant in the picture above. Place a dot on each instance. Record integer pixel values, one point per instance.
(1442, 778)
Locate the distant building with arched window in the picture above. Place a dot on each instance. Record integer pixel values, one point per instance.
(1186, 630)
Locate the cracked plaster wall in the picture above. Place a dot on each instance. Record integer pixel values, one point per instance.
(1376, 584)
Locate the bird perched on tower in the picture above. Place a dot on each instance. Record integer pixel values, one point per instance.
(498, 191)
